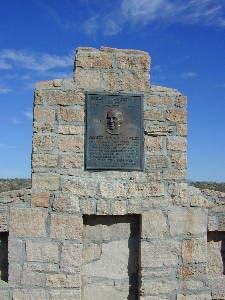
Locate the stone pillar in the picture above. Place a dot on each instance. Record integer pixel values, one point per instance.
(64, 193)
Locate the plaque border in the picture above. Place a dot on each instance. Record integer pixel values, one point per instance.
(89, 93)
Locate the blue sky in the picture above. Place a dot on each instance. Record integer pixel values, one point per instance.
(186, 40)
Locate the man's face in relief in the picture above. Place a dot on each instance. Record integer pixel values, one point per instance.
(114, 120)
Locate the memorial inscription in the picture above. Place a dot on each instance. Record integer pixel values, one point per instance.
(114, 132)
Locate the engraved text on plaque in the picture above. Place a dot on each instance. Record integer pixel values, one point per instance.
(114, 132)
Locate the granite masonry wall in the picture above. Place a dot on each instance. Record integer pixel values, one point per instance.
(108, 234)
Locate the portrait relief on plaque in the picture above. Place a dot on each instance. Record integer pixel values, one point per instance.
(114, 132)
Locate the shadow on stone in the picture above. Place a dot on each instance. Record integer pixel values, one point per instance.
(4, 256)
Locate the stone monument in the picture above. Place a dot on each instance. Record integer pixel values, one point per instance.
(111, 215)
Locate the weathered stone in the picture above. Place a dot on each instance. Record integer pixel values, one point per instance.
(119, 207)
(42, 251)
(64, 98)
(44, 182)
(66, 203)
(4, 295)
(159, 253)
(132, 62)
(180, 101)
(157, 162)
(43, 142)
(32, 278)
(28, 222)
(63, 280)
(96, 59)
(192, 271)
(40, 199)
(71, 143)
(99, 291)
(160, 129)
(175, 115)
(71, 115)
(71, 161)
(103, 207)
(176, 143)
(147, 189)
(4, 219)
(68, 227)
(71, 257)
(111, 190)
(204, 296)
(80, 187)
(182, 129)
(44, 160)
(174, 174)
(153, 224)
(91, 252)
(179, 160)
(159, 100)
(15, 270)
(64, 294)
(15, 250)
(156, 287)
(194, 250)
(42, 114)
(187, 221)
(153, 144)
(25, 294)
(154, 115)
(71, 129)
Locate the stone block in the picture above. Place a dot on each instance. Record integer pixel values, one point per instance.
(15, 270)
(160, 253)
(156, 287)
(66, 227)
(43, 142)
(160, 100)
(91, 252)
(112, 190)
(96, 59)
(192, 271)
(80, 187)
(187, 221)
(182, 129)
(66, 203)
(147, 189)
(153, 144)
(71, 257)
(97, 291)
(71, 129)
(64, 294)
(28, 222)
(154, 115)
(40, 199)
(176, 143)
(70, 115)
(4, 219)
(44, 127)
(5, 295)
(45, 182)
(153, 224)
(174, 174)
(160, 129)
(157, 161)
(71, 161)
(64, 98)
(180, 101)
(63, 280)
(44, 160)
(71, 143)
(39, 251)
(32, 278)
(15, 247)
(132, 62)
(194, 250)
(39, 97)
(103, 207)
(26, 294)
(175, 115)
(179, 161)
(202, 296)
(119, 207)
(42, 114)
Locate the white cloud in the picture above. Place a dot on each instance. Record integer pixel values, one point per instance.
(189, 75)
(4, 65)
(28, 114)
(34, 61)
(4, 90)
(205, 12)
(91, 26)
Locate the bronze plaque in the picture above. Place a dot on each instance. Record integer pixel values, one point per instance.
(114, 132)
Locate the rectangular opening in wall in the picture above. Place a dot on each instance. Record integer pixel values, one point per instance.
(111, 257)
(4, 256)
(216, 263)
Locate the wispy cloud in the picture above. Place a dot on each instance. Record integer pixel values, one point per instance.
(144, 12)
(204, 12)
(28, 114)
(5, 146)
(34, 61)
(189, 75)
(4, 90)
(4, 65)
